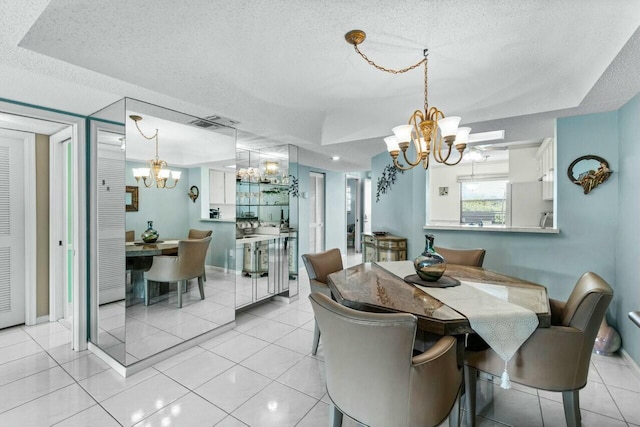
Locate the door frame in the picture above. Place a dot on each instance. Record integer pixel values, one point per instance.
(318, 175)
(58, 272)
(358, 211)
(79, 207)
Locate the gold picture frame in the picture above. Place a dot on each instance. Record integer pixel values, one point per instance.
(131, 198)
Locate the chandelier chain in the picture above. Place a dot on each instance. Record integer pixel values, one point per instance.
(389, 70)
(426, 86)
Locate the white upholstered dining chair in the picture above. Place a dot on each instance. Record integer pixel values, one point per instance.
(189, 264)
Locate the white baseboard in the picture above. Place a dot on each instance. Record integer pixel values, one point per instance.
(632, 363)
(42, 319)
(138, 366)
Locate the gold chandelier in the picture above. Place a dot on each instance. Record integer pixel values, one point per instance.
(428, 130)
(157, 171)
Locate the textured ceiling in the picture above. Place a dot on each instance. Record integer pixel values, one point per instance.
(283, 70)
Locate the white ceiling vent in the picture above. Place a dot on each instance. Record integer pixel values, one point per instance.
(214, 122)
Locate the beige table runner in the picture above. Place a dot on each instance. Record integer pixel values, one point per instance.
(503, 325)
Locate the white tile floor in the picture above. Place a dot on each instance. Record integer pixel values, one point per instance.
(260, 374)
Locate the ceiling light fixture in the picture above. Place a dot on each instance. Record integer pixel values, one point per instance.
(271, 167)
(428, 130)
(157, 171)
(335, 158)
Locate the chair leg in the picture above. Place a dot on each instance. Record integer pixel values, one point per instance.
(316, 339)
(204, 275)
(179, 285)
(470, 378)
(146, 292)
(336, 416)
(201, 286)
(571, 401)
(454, 416)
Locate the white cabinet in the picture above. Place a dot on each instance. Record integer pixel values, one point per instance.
(546, 167)
(222, 188)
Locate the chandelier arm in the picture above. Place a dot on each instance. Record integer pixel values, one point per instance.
(438, 154)
(175, 182)
(400, 166)
(389, 70)
(406, 159)
(455, 163)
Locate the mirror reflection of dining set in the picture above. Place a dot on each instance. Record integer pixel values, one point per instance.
(154, 262)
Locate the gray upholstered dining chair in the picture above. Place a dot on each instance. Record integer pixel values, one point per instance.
(319, 266)
(199, 234)
(189, 264)
(372, 375)
(470, 257)
(555, 358)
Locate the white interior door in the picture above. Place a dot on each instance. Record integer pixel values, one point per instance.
(12, 229)
(357, 196)
(316, 212)
(366, 216)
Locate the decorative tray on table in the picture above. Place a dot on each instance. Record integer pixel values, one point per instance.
(443, 282)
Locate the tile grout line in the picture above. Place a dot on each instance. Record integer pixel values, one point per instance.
(61, 388)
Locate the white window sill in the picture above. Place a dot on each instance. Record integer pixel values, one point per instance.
(490, 228)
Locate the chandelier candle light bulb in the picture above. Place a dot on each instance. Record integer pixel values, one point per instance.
(428, 130)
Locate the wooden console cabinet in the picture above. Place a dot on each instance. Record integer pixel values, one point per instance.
(383, 248)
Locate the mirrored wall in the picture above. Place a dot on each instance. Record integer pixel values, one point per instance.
(162, 263)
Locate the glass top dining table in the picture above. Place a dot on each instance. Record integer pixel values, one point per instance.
(369, 287)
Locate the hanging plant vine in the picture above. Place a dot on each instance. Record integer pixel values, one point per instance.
(293, 186)
(388, 178)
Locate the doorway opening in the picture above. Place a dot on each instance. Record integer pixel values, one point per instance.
(316, 212)
(52, 283)
(354, 214)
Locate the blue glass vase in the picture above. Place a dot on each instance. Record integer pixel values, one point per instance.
(430, 265)
(150, 235)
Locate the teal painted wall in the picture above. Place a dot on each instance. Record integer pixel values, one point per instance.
(168, 209)
(223, 237)
(627, 250)
(401, 211)
(335, 210)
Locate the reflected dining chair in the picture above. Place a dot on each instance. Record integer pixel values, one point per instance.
(319, 266)
(470, 257)
(189, 264)
(199, 234)
(372, 376)
(555, 358)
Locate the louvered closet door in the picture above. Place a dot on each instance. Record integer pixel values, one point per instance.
(111, 251)
(11, 231)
